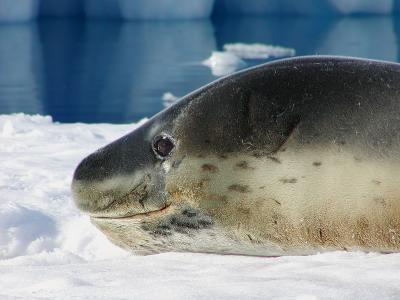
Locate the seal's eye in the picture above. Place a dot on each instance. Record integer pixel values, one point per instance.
(163, 145)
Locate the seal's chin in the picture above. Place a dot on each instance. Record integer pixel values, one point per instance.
(153, 213)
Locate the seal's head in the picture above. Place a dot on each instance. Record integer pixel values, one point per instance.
(180, 181)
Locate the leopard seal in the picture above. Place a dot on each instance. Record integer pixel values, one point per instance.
(292, 157)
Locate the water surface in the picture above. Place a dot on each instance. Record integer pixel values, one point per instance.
(117, 72)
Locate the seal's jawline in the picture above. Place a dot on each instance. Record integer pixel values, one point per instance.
(136, 216)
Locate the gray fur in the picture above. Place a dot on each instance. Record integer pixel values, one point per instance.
(290, 157)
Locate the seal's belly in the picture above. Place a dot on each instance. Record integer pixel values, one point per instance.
(322, 198)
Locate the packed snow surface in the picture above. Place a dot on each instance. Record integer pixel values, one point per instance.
(49, 250)
(232, 58)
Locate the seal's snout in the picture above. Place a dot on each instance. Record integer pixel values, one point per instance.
(88, 175)
(114, 178)
(98, 183)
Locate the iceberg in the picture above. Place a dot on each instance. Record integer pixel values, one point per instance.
(362, 6)
(102, 9)
(24, 10)
(21, 64)
(247, 7)
(129, 79)
(359, 37)
(303, 7)
(167, 9)
(17, 11)
(61, 7)
(60, 44)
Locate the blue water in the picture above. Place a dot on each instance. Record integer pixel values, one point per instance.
(115, 72)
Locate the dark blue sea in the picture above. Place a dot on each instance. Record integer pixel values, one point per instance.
(116, 72)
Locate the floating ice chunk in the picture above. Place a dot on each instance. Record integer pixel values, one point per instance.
(230, 60)
(166, 9)
(102, 8)
(61, 7)
(258, 51)
(169, 99)
(18, 10)
(223, 63)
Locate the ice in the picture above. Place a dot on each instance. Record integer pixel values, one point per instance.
(247, 7)
(149, 9)
(18, 10)
(61, 7)
(20, 68)
(49, 250)
(117, 76)
(362, 6)
(258, 51)
(102, 8)
(166, 9)
(168, 99)
(223, 63)
(359, 37)
(23, 10)
(303, 7)
(232, 58)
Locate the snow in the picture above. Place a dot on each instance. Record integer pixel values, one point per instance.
(232, 58)
(49, 250)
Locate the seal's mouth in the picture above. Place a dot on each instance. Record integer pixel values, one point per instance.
(135, 216)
